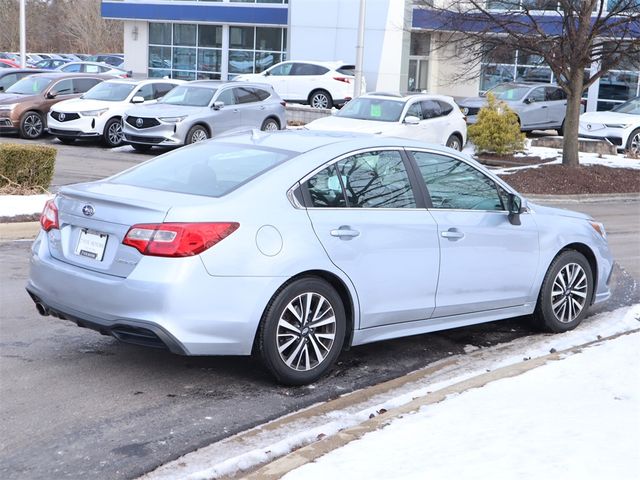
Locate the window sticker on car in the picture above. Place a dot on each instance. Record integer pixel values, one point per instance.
(376, 110)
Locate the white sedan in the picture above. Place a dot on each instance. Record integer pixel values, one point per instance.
(98, 113)
(621, 126)
(429, 118)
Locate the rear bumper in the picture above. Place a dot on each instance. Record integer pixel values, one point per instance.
(167, 303)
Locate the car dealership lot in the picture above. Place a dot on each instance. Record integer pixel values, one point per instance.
(81, 405)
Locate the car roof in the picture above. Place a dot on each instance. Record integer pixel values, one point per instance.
(400, 97)
(528, 84)
(33, 71)
(53, 75)
(138, 81)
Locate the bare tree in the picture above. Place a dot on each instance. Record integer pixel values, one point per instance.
(569, 36)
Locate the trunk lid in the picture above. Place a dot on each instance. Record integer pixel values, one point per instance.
(95, 217)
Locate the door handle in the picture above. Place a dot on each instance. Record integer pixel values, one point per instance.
(236, 110)
(452, 234)
(544, 106)
(262, 107)
(345, 232)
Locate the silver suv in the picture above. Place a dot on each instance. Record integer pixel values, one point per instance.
(539, 106)
(203, 109)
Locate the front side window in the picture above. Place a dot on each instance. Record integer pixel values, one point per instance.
(453, 184)
(536, 95)
(280, 70)
(227, 97)
(415, 110)
(375, 179)
(146, 92)
(82, 85)
(63, 87)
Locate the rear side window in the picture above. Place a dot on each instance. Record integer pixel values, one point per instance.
(246, 95)
(445, 108)
(308, 69)
(161, 89)
(73, 68)
(431, 109)
(81, 85)
(347, 70)
(204, 169)
(262, 94)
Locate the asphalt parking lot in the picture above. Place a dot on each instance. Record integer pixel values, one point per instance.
(79, 405)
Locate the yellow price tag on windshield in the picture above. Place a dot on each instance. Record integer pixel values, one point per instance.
(376, 111)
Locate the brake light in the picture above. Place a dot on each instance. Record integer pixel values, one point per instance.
(342, 79)
(177, 239)
(49, 216)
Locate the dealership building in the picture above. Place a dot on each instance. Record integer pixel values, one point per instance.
(195, 39)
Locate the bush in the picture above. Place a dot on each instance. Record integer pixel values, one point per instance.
(497, 129)
(25, 168)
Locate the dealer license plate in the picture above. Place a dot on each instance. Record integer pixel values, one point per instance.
(91, 244)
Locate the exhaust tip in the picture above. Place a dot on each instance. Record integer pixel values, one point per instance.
(42, 310)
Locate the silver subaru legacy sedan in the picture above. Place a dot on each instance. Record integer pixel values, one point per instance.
(296, 245)
(200, 110)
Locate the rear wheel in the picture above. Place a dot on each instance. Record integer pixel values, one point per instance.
(633, 144)
(320, 99)
(454, 142)
(31, 125)
(197, 133)
(270, 125)
(302, 331)
(140, 147)
(112, 135)
(566, 293)
(67, 140)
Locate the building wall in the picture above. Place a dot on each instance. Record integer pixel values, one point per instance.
(450, 70)
(136, 47)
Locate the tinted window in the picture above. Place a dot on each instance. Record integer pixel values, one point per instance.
(108, 91)
(376, 180)
(63, 87)
(445, 107)
(81, 85)
(347, 70)
(202, 170)
(246, 95)
(554, 94)
(308, 69)
(283, 69)
(415, 111)
(8, 80)
(456, 185)
(262, 94)
(325, 189)
(162, 89)
(431, 109)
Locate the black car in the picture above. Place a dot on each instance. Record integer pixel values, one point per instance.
(9, 76)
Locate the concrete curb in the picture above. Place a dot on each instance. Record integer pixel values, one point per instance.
(588, 198)
(18, 231)
(283, 465)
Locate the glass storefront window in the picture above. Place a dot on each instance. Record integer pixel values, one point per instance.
(160, 33)
(269, 39)
(210, 36)
(184, 34)
(209, 60)
(240, 61)
(241, 37)
(184, 58)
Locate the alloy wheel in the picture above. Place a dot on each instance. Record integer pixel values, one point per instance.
(306, 331)
(198, 136)
(270, 126)
(635, 143)
(569, 292)
(320, 100)
(115, 133)
(32, 125)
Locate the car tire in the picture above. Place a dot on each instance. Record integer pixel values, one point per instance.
(112, 135)
(31, 125)
(141, 147)
(67, 140)
(565, 294)
(294, 350)
(320, 99)
(454, 142)
(270, 125)
(633, 143)
(561, 129)
(196, 134)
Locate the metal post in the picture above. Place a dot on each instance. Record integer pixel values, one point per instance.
(23, 35)
(360, 49)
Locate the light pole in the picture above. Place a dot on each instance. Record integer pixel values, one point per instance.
(360, 48)
(23, 35)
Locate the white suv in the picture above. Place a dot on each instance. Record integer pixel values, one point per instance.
(98, 113)
(320, 84)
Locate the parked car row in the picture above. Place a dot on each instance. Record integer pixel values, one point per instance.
(142, 113)
(54, 60)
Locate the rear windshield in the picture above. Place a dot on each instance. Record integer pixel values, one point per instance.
(211, 169)
(30, 85)
(347, 70)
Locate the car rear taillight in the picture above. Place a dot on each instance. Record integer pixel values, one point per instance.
(49, 216)
(343, 79)
(177, 239)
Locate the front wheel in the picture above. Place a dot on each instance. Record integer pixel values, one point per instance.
(112, 135)
(633, 144)
(197, 133)
(565, 294)
(321, 99)
(454, 142)
(302, 331)
(31, 125)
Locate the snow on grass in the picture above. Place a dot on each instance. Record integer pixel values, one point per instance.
(230, 456)
(574, 418)
(12, 205)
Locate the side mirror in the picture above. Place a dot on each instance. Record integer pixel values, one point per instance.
(411, 120)
(137, 99)
(51, 95)
(217, 105)
(1, 88)
(514, 205)
(266, 73)
(528, 100)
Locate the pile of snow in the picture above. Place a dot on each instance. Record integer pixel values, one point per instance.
(574, 418)
(12, 205)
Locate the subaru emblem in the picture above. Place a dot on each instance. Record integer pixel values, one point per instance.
(62, 115)
(139, 122)
(88, 210)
